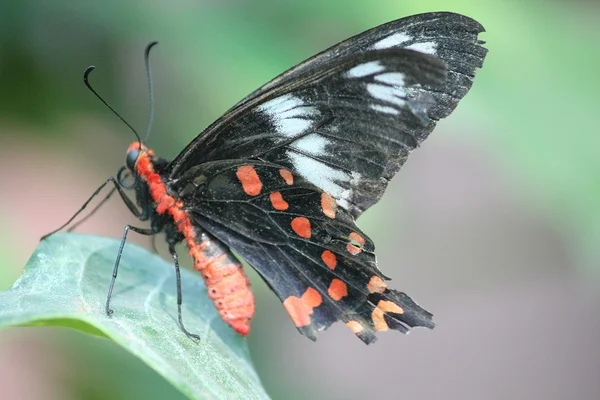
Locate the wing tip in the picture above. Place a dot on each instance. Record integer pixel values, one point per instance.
(389, 310)
(451, 17)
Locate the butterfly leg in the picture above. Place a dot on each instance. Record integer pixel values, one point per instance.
(154, 248)
(141, 231)
(141, 214)
(91, 213)
(192, 336)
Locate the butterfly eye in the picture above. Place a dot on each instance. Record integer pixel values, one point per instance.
(132, 156)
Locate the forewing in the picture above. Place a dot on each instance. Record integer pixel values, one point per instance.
(346, 129)
(347, 119)
(308, 250)
(451, 37)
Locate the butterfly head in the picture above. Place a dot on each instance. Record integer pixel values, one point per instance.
(138, 162)
(135, 152)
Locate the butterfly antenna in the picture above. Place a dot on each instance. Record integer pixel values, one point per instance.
(86, 81)
(150, 87)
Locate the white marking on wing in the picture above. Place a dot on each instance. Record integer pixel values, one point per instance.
(320, 174)
(391, 78)
(344, 199)
(356, 178)
(393, 40)
(384, 109)
(424, 47)
(291, 127)
(368, 68)
(312, 144)
(388, 94)
(280, 104)
(290, 114)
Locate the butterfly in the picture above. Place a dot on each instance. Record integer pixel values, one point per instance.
(283, 175)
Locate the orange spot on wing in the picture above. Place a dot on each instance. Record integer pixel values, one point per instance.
(287, 176)
(249, 179)
(329, 259)
(337, 289)
(378, 314)
(278, 202)
(389, 306)
(376, 285)
(301, 226)
(379, 320)
(355, 326)
(328, 205)
(300, 308)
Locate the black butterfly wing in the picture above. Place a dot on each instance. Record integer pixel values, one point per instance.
(308, 250)
(449, 36)
(347, 119)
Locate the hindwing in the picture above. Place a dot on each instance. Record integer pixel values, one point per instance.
(307, 249)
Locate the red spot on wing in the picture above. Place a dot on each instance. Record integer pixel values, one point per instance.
(249, 179)
(337, 289)
(301, 225)
(376, 285)
(329, 259)
(294, 307)
(355, 237)
(358, 239)
(278, 202)
(300, 308)
(311, 298)
(352, 249)
(328, 205)
(287, 176)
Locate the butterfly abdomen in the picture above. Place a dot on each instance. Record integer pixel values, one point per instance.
(226, 283)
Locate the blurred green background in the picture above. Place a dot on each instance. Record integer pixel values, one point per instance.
(493, 224)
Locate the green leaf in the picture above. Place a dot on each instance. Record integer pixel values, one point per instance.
(65, 284)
